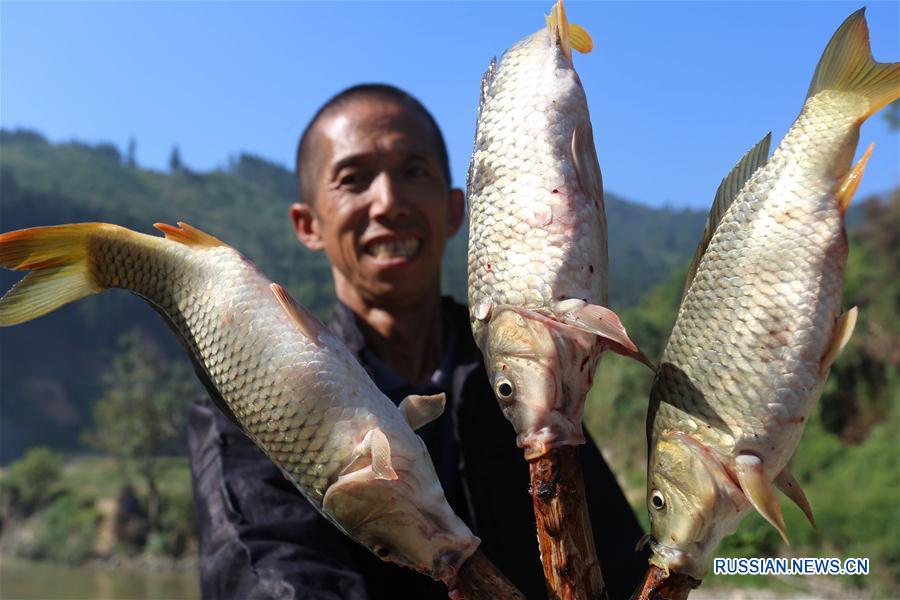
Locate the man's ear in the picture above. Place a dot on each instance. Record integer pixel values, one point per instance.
(456, 211)
(307, 226)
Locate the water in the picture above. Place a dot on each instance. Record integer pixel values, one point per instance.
(21, 580)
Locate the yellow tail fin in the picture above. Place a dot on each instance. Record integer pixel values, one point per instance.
(847, 65)
(59, 260)
(567, 35)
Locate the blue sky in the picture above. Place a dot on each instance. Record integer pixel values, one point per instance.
(678, 91)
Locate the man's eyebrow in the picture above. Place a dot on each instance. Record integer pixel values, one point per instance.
(348, 161)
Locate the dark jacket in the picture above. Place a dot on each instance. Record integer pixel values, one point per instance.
(259, 538)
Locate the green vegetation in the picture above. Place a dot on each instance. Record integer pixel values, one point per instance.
(140, 412)
(68, 525)
(30, 482)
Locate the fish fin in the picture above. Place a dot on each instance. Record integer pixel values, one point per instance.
(842, 332)
(728, 190)
(558, 29)
(380, 450)
(850, 182)
(587, 167)
(311, 327)
(600, 321)
(847, 65)
(759, 491)
(580, 38)
(59, 258)
(788, 484)
(421, 410)
(486, 80)
(189, 236)
(567, 35)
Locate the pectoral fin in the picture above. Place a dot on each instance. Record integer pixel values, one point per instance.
(587, 167)
(305, 320)
(374, 451)
(600, 321)
(420, 410)
(380, 450)
(759, 491)
(787, 484)
(850, 182)
(842, 332)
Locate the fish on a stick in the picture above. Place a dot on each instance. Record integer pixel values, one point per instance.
(761, 320)
(537, 278)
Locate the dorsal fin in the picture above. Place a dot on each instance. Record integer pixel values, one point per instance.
(305, 320)
(725, 195)
(187, 235)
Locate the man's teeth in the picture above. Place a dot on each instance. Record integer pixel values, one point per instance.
(404, 249)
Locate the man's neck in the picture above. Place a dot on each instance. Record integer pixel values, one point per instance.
(406, 337)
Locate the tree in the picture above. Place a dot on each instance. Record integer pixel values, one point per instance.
(131, 158)
(140, 411)
(29, 482)
(175, 164)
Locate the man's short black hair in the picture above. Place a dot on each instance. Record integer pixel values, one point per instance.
(306, 178)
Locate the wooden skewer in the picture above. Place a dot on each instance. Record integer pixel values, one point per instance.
(479, 579)
(656, 586)
(565, 536)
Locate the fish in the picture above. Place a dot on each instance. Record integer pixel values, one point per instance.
(274, 369)
(537, 251)
(761, 318)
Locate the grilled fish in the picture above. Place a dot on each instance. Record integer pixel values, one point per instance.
(273, 368)
(760, 322)
(537, 262)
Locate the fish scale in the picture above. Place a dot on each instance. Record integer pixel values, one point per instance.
(273, 368)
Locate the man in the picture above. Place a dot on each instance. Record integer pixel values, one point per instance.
(375, 196)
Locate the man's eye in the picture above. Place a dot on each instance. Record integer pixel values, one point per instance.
(349, 180)
(416, 171)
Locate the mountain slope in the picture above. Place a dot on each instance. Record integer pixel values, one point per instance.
(50, 369)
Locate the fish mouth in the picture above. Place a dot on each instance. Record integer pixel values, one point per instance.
(393, 249)
(677, 560)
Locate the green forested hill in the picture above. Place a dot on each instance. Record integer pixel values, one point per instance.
(50, 368)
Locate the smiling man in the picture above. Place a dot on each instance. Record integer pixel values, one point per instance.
(375, 196)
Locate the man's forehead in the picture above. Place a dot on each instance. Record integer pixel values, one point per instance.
(368, 125)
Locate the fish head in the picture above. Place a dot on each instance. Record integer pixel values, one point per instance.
(529, 358)
(690, 501)
(406, 520)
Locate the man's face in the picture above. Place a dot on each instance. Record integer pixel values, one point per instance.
(382, 209)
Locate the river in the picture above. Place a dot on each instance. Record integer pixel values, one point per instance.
(22, 579)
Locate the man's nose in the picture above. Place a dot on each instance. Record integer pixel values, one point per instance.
(387, 199)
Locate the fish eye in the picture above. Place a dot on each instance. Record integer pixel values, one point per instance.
(657, 500)
(381, 551)
(504, 389)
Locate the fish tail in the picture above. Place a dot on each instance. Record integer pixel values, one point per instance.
(847, 65)
(59, 260)
(567, 35)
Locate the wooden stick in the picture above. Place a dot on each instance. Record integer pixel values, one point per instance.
(565, 536)
(479, 579)
(656, 586)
